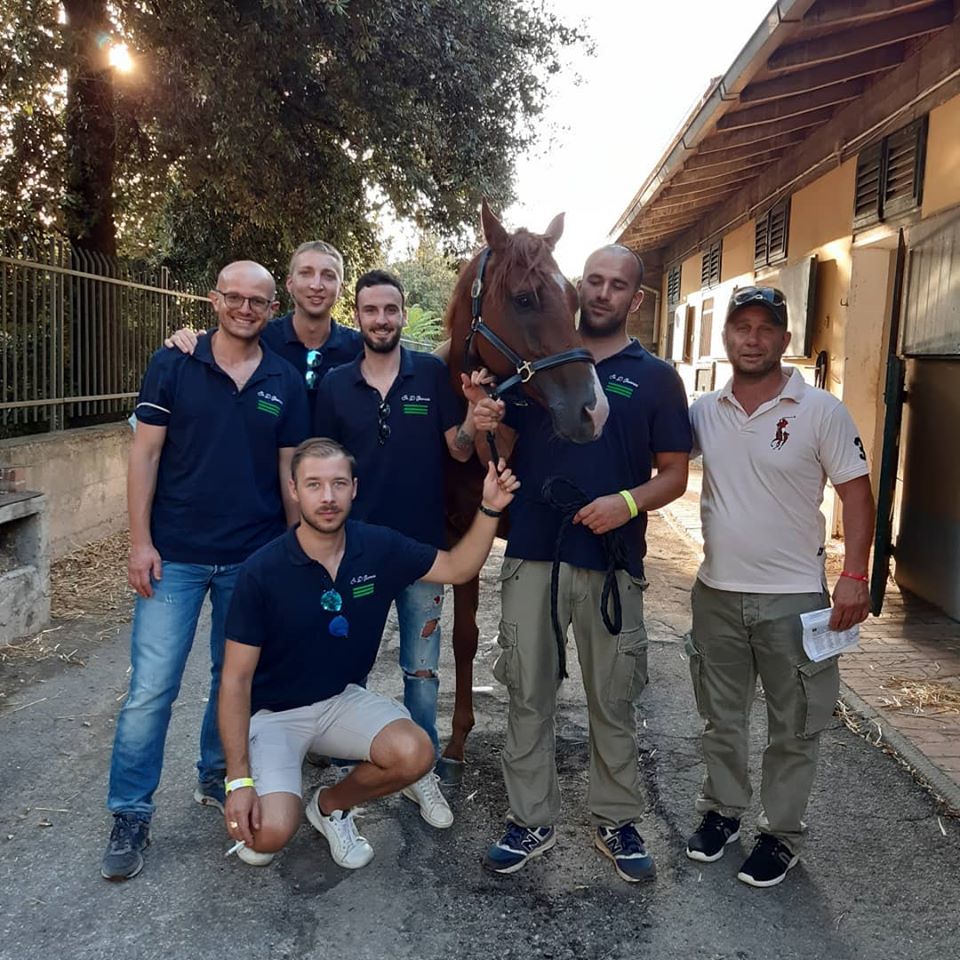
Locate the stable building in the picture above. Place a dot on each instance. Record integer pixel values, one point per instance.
(826, 162)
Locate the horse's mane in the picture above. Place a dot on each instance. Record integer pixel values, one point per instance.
(524, 252)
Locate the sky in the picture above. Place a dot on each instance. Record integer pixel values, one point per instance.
(652, 61)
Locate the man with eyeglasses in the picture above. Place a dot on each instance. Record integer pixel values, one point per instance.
(308, 337)
(769, 442)
(206, 487)
(395, 409)
(304, 629)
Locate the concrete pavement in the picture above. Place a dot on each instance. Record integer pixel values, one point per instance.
(878, 877)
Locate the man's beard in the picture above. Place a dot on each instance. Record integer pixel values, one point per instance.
(378, 346)
(601, 327)
(325, 531)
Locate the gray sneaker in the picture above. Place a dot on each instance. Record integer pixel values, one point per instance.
(123, 857)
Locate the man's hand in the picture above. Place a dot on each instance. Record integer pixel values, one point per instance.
(241, 813)
(851, 603)
(141, 563)
(474, 385)
(603, 514)
(184, 339)
(498, 491)
(487, 415)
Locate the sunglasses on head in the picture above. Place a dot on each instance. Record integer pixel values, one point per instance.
(754, 294)
(383, 428)
(314, 359)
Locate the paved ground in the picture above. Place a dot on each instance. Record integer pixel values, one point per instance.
(878, 878)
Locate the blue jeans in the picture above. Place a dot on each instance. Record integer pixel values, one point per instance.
(417, 606)
(163, 631)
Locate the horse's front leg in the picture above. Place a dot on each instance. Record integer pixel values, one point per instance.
(466, 598)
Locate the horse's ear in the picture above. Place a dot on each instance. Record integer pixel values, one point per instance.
(554, 232)
(493, 230)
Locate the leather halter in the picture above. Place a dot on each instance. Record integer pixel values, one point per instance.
(525, 369)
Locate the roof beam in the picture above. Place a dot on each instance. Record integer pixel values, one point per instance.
(804, 81)
(706, 188)
(772, 149)
(859, 39)
(851, 11)
(722, 165)
(682, 205)
(792, 106)
(769, 131)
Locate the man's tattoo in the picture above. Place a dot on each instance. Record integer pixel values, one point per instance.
(463, 439)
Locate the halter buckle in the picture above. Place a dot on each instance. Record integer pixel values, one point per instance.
(476, 288)
(525, 371)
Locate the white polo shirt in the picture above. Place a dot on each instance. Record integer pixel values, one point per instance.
(763, 479)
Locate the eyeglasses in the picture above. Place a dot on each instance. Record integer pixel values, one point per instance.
(331, 601)
(234, 301)
(314, 359)
(753, 294)
(383, 428)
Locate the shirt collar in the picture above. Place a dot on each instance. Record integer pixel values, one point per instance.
(353, 548)
(793, 389)
(406, 366)
(266, 368)
(632, 349)
(289, 333)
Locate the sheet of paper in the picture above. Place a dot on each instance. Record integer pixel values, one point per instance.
(819, 641)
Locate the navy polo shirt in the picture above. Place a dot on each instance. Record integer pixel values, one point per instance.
(217, 497)
(648, 415)
(276, 607)
(342, 346)
(400, 481)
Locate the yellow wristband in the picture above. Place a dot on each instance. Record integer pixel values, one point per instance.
(230, 785)
(631, 503)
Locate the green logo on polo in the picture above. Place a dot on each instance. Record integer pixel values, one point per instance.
(620, 386)
(414, 405)
(269, 403)
(362, 586)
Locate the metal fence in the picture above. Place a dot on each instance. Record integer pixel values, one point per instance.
(77, 330)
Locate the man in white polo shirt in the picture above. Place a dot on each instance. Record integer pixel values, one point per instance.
(769, 443)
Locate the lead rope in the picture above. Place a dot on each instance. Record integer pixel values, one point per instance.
(614, 548)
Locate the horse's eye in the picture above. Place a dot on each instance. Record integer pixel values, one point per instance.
(523, 300)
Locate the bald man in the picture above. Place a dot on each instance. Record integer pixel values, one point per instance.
(206, 487)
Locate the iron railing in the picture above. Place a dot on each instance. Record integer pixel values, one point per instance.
(77, 330)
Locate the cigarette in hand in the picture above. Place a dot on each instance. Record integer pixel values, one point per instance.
(239, 845)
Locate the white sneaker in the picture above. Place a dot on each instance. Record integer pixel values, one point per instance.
(347, 847)
(433, 805)
(247, 855)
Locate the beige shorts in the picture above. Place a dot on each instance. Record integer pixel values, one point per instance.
(342, 726)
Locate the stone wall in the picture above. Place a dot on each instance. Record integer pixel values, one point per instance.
(83, 476)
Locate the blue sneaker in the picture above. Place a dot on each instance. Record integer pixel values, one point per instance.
(517, 846)
(210, 793)
(123, 857)
(624, 846)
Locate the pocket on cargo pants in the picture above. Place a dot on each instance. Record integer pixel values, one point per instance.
(629, 675)
(819, 691)
(696, 675)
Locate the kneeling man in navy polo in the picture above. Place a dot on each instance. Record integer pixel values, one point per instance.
(303, 632)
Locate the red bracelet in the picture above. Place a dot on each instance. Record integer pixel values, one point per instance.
(855, 576)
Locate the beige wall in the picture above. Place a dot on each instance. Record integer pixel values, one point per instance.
(83, 475)
(822, 211)
(737, 258)
(941, 182)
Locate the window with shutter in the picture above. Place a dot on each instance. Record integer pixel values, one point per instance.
(889, 179)
(673, 285)
(710, 265)
(770, 235)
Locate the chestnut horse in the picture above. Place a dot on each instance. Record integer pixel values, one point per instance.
(513, 312)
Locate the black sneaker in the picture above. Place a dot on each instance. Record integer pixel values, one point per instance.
(713, 834)
(123, 857)
(211, 793)
(769, 862)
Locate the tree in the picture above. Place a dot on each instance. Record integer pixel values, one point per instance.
(250, 126)
(428, 274)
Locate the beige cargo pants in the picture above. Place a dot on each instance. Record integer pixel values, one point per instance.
(735, 637)
(614, 670)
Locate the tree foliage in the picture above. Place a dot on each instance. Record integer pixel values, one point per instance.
(428, 274)
(247, 127)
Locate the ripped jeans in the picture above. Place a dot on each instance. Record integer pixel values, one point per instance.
(419, 605)
(163, 631)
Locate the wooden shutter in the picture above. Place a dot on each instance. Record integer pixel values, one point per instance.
(866, 204)
(710, 265)
(761, 245)
(903, 169)
(778, 225)
(673, 285)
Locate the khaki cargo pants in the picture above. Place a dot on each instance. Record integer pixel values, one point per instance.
(735, 637)
(614, 670)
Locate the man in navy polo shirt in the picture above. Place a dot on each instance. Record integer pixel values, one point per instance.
(206, 487)
(395, 410)
(606, 485)
(308, 337)
(304, 628)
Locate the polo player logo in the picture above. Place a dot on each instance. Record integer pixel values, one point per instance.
(782, 435)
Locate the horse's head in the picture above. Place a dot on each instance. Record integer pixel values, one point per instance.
(529, 307)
